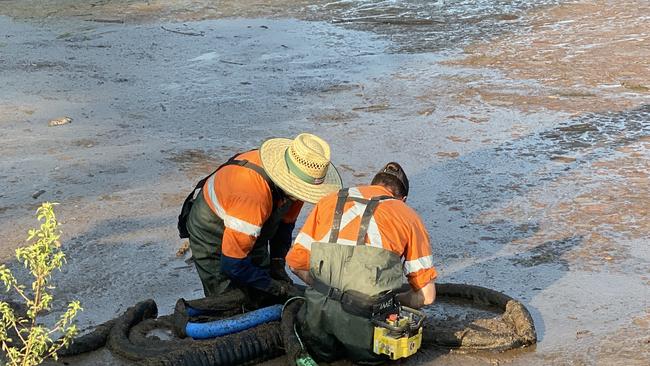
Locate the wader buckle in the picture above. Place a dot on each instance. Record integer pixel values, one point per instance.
(335, 294)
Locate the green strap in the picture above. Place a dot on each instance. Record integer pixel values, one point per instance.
(293, 168)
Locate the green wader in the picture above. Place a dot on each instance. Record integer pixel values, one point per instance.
(206, 234)
(325, 325)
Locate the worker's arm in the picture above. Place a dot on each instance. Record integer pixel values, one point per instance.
(418, 265)
(300, 253)
(281, 241)
(279, 246)
(244, 272)
(244, 216)
(303, 275)
(237, 265)
(417, 299)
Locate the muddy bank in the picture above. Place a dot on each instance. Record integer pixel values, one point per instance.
(528, 184)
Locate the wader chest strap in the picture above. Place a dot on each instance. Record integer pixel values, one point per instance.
(371, 206)
(365, 220)
(275, 193)
(338, 214)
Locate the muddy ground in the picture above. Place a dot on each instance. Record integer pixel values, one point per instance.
(524, 127)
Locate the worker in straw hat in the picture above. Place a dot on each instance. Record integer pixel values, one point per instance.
(240, 218)
(353, 251)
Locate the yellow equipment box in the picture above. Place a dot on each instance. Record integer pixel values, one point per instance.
(398, 335)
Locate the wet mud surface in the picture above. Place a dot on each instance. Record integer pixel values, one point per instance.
(524, 127)
(584, 56)
(457, 314)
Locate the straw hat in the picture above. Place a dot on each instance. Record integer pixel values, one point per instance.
(301, 167)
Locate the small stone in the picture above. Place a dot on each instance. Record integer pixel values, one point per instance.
(563, 159)
(582, 333)
(59, 121)
(36, 194)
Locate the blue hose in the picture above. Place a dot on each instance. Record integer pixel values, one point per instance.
(223, 327)
(193, 312)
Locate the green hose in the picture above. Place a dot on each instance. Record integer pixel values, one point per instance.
(306, 361)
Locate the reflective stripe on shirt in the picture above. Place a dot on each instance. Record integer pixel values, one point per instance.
(230, 222)
(352, 213)
(418, 264)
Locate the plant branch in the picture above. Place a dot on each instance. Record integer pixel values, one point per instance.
(20, 292)
(18, 333)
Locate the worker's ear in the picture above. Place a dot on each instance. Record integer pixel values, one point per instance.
(404, 199)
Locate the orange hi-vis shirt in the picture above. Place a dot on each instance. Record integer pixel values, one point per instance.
(394, 226)
(243, 200)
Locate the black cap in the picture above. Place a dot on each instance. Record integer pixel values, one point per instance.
(396, 171)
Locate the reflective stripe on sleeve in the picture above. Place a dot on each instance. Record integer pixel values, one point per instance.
(418, 264)
(242, 226)
(304, 240)
(231, 222)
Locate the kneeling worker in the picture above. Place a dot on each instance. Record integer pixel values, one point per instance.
(240, 223)
(351, 247)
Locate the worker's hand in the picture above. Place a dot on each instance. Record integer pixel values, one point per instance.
(278, 270)
(283, 289)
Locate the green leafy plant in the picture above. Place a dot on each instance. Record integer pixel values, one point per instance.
(25, 341)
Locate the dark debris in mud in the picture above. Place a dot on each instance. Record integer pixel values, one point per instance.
(548, 253)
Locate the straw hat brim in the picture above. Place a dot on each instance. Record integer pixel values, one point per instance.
(272, 154)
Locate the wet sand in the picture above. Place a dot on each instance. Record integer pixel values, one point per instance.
(528, 149)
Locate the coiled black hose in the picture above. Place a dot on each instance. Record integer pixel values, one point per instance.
(518, 321)
(248, 347)
(128, 337)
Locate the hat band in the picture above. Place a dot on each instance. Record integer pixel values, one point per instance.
(293, 168)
